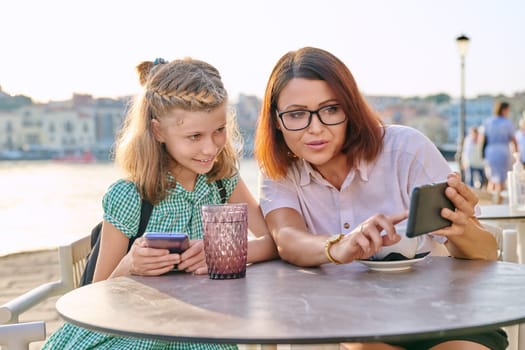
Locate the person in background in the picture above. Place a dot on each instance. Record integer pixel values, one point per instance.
(178, 139)
(520, 138)
(473, 162)
(336, 180)
(498, 136)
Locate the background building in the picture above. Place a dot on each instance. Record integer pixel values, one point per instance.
(84, 128)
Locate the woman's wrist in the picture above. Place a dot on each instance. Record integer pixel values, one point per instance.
(328, 245)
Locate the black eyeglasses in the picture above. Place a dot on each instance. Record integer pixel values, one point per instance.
(300, 119)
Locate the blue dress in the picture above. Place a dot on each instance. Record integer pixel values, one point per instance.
(499, 132)
(179, 211)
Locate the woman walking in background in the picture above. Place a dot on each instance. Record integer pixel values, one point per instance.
(499, 133)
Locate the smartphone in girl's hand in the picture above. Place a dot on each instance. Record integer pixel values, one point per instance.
(176, 242)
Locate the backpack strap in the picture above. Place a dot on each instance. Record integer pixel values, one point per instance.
(222, 191)
(145, 212)
(91, 261)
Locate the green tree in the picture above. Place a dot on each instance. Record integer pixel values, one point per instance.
(14, 102)
(438, 98)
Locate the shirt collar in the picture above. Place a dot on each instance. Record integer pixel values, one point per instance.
(200, 190)
(308, 172)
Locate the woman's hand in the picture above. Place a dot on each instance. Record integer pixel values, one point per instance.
(467, 238)
(193, 259)
(464, 199)
(366, 239)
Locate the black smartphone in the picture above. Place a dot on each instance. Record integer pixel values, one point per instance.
(424, 215)
(176, 242)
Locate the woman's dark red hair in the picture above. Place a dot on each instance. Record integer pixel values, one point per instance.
(364, 131)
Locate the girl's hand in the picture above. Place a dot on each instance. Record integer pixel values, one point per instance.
(366, 239)
(193, 259)
(150, 261)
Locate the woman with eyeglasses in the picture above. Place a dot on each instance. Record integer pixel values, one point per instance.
(335, 177)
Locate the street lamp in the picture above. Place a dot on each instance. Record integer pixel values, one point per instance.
(462, 41)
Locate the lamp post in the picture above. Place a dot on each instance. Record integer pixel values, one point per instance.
(462, 41)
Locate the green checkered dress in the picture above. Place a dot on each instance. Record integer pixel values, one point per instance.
(179, 211)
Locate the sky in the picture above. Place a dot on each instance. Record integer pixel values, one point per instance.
(51, 49)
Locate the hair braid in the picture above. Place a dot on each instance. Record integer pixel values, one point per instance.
(188, 84)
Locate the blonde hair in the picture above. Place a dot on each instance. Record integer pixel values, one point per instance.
(189, 84)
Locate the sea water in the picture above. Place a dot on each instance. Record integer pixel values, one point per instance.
(44, 204)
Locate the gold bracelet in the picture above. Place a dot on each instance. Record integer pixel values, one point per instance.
(328, 244)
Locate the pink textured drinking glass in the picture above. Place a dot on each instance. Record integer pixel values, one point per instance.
(225, 239)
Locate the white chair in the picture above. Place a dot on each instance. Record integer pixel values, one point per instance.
(18, 336)
(507, 251)
(507, 242)
(72, 260)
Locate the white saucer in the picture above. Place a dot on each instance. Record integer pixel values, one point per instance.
(388, 266)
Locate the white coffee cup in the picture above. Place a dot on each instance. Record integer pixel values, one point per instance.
(406, 246)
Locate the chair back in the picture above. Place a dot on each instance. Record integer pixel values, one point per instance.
(507, 251)
(18, 336)
(72, 260)
(507, 242)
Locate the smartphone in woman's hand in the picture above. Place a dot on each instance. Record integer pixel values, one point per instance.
(426, 203)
